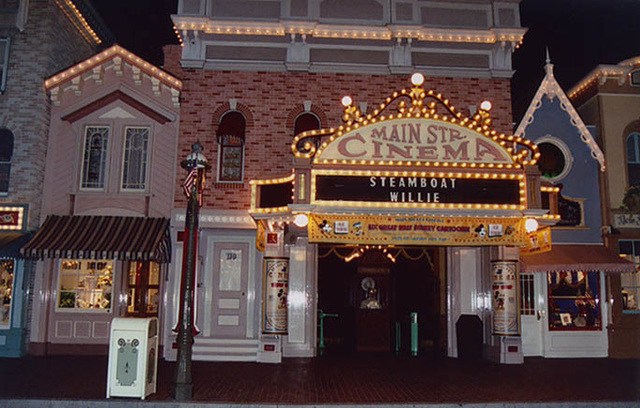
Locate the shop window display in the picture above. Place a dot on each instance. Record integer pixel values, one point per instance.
(85, 284)
(6, 290)
(630, 249)
(144, 289)
(574, 300)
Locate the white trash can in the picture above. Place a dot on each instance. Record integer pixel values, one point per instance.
(133, 357)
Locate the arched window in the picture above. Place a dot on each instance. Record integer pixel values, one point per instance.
(231, 136)
(6, 153)
(633, 159)
(306, 121)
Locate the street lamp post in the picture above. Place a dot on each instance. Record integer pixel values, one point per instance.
(196, 165)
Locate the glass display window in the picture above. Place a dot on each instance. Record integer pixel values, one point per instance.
(6, 290)
(143, 284)
(85, 285)
(574, 300)
(630, 249)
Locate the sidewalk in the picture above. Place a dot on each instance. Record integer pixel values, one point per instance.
(352, 380)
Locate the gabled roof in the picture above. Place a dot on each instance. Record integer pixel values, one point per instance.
(112, 58)
(551, 89)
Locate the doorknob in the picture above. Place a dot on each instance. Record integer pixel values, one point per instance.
(540, 314)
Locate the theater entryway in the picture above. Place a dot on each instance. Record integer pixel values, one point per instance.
(370, 292)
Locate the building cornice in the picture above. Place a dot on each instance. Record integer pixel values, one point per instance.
(183, 24)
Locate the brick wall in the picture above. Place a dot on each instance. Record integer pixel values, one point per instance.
(48, 44)
(271, 97)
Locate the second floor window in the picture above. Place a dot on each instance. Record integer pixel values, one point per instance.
(95, 157)
(4, 62)
(6, 154)
(633, 159)
(304, 122)
(231, 136)
(136, 153)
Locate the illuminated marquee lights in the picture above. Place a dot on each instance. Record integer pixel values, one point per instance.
(550, 189)
(490, 36)
(480, 123)
(254, 194)
(105, 55)
(12, 223)
(457, 175)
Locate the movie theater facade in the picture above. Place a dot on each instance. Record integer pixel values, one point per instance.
(397, 231)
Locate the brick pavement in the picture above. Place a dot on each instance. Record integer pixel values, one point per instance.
(343, 380)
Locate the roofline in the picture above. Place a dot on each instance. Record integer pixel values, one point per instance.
(106, 55)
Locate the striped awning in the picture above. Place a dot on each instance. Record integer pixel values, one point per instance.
(101, 237)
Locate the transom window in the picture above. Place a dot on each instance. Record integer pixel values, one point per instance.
(85, 284)
(633, 159)
(231, 137)
(95, 157)
(630, 249)
(6, 154)
(136, 151)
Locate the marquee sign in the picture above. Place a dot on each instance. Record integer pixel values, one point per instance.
(416, 140)
(409, 189)
(415, 230)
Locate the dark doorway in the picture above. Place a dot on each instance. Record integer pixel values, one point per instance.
(373, 292)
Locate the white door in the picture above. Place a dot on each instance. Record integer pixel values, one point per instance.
(227, 268)
(533, 313)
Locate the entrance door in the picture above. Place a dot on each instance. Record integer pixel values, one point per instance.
(229, 264)
(533, 313)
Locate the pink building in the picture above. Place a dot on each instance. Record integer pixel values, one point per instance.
(110, 170)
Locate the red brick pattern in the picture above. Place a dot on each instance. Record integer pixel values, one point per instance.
(273, 97)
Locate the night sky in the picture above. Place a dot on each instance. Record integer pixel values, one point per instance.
(580, 35)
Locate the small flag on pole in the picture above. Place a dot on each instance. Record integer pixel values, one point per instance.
(192, 181)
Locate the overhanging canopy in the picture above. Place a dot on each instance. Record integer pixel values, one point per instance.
(11, 242)
(576, 257)
(101, 237)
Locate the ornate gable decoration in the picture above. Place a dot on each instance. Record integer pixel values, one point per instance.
(416, 135)
(551, 89)
(113, 58)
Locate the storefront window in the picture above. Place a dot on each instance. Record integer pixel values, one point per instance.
(630, 281)
(144, 289)
(574, 300)
(85, 284)
(6, 290)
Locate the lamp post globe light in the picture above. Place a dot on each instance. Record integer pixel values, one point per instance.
(196, 165)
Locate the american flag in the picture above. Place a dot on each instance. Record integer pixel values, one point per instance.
(190, 182)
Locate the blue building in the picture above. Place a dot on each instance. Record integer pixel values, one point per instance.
(565, 307)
